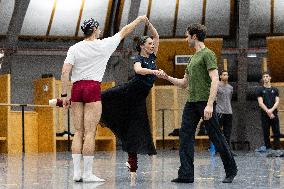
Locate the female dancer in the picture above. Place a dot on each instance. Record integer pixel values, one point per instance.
(124, 106)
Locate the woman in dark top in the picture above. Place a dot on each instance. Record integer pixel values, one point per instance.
(124, 106)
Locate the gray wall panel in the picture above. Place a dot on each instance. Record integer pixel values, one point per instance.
(65, 18)
(189, 11)
(217, 19)
(139, 31)
(97, 10)
(259, 17)
(278, 16)
(37, 17)
(6, 11)
(125, 13)
(27, 68)
(162, 16)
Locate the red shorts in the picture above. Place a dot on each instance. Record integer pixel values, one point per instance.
(86, 91)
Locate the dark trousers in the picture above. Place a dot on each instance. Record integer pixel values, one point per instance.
(266, 123)
(192, 113)
(225, 121)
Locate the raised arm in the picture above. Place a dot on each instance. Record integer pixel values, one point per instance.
(131, 26)
(155, 36)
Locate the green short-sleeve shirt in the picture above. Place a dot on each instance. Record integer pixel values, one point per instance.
(197, 72)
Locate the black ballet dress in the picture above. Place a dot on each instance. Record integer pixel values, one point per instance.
(124, 110)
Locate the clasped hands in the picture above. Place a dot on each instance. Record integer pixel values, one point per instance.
(160, 74)
(270, 114)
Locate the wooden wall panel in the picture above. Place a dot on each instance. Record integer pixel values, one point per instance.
(163, 93)
(275, 46)
(31, 132)
(15, 132)
(172, 101)
(61, 114)
(165, 100)
(5, 97)
(169, 122)
(104, 132)
(168, 48)
(46, 121)
(259, 16)
(182, 95)
(280, 87)
(181, 100)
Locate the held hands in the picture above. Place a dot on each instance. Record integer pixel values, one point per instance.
(160, 74)
(143, 18)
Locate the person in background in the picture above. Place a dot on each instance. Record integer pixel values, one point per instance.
(268, 101)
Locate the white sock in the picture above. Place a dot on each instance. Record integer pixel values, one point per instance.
(77, 163)
(88, 165)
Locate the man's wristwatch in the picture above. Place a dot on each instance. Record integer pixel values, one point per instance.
(64, 95)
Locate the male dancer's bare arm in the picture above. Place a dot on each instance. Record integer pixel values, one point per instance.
(131, 26)
(65, 78)
(182, 83)
(208, 111)
(214, 86)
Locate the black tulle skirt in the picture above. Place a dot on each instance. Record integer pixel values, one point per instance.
(124, 112)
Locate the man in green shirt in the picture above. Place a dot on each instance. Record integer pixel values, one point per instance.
(201, 78)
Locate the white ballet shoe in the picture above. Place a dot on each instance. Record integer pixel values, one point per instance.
(133, 176)
(92, 178)
(77, 177)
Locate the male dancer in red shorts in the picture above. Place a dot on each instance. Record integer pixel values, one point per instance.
(87, 60)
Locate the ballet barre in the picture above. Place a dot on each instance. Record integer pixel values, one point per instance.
(163, 122)
(28, 105)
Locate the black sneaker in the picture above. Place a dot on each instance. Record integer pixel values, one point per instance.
(180, 180)
(229, 178)
(234, 154)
